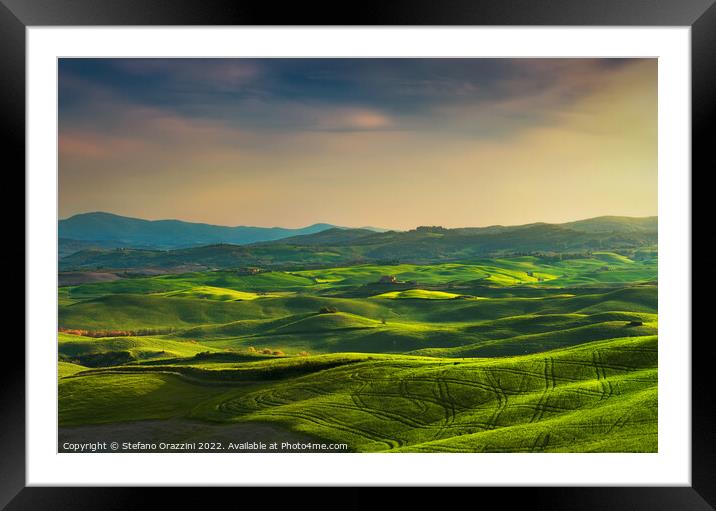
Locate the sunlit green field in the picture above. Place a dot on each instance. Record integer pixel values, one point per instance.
(517, 354)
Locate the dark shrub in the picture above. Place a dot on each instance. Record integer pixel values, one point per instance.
(104, 359)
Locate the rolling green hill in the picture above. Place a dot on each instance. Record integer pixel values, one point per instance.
(422, 245)
(106, 351)
(420, 294)
(129, 311)
(615, 224)
(601, 396)
(552, 353)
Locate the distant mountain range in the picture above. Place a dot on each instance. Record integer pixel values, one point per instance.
(323, 244)
(106, 230)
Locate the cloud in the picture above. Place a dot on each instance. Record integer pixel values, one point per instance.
(343, 119)
(89, 146)
(457, 97)
(208, 74)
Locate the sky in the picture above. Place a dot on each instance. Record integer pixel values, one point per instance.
(392, 143)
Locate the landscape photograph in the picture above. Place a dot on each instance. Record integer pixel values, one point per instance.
(357, 255)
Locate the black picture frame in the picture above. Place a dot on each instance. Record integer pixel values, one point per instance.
(700, 15)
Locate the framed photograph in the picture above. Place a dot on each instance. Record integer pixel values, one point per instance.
(424, 246)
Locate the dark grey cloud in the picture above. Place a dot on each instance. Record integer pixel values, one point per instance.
(297, 94)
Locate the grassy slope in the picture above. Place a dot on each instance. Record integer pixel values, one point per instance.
(111, 398)
(87, 349)
(599, 396)
(68, 369)
(214, 293)
(374, 387)
(597, 393)
(328, 333)
(128, 311)
(186, 281)
(378, 325)
(419, 294)
(603, 267)
(534, 343)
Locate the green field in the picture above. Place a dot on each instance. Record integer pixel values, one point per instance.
(506, 354)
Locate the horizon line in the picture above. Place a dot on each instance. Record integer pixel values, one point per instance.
(348, 227)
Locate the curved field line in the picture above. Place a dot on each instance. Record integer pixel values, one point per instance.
(403, 389)
(339, 425)
(378, 413)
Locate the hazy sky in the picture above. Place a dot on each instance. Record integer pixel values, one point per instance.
(392, 143)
